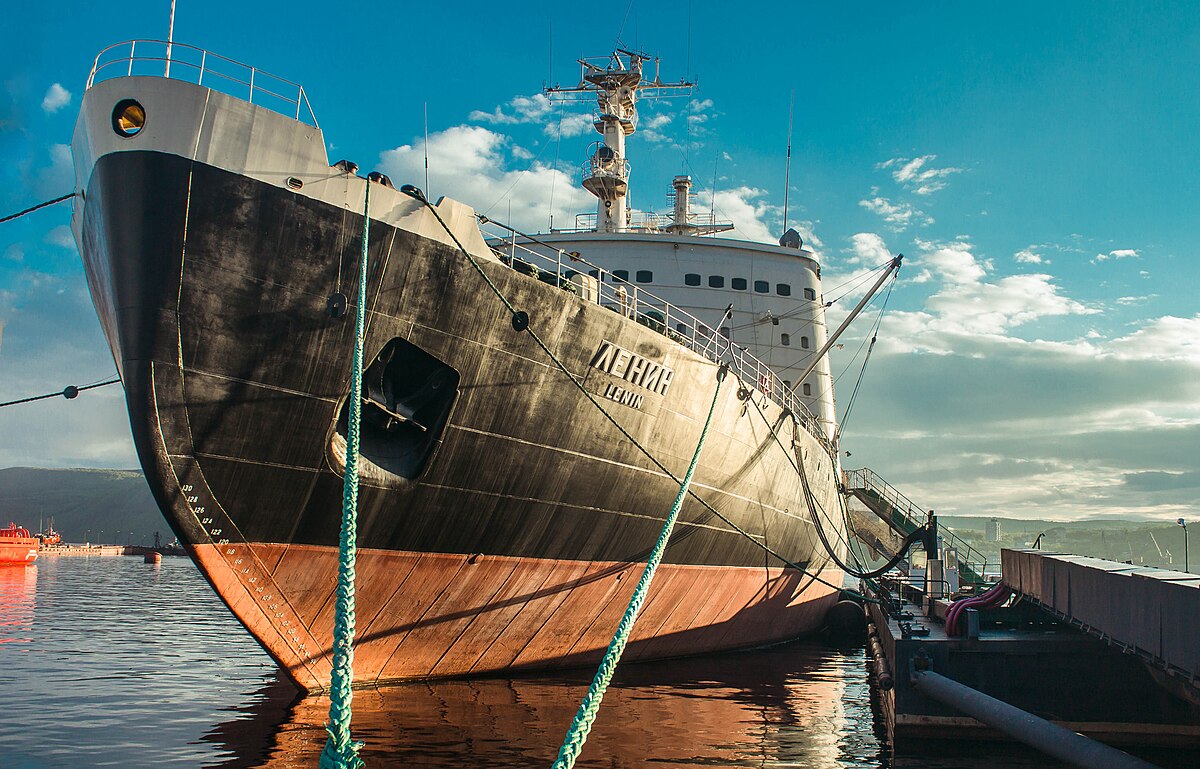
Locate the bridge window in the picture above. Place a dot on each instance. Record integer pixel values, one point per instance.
(645, 276)
(807, 389)
(804, 342)
(783, 289)
(810, 293)
(621, 276)
(785, 339)
(738, 284)
(716, 281)
(762, 286)
(787, 384)
(725, 332)
(691, 279)
(681, 328)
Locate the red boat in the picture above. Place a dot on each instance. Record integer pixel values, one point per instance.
(17, 546)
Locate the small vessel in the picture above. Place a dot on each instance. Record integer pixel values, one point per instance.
(17, 546)
(529, 402)
(49, 537)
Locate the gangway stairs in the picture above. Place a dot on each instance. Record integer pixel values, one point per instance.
(904, 517)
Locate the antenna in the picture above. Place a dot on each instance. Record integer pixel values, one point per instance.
(787, 167)
(427, 147)
(170, 38)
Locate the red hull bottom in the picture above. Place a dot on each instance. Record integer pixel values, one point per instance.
(422, 615)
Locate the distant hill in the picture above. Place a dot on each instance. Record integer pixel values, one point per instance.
(115, 502)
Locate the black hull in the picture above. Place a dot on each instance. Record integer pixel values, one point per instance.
(212, 288)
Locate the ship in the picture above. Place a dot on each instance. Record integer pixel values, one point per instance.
(511, 485)
(17, 546)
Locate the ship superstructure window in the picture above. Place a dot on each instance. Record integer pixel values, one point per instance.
(691, 279)
(783, 289)
(645, 276)
(725, 331)
(621, 275)
(810, 293)
(804, 342)
(681, 328)
(716, 281)
(738, 284)
(787, 384)
(762, 286)
(807, 389)
(785, 339)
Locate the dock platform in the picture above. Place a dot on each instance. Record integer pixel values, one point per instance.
(1048, 662)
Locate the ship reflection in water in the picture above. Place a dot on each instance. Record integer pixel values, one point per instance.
(18, 594)
(798, 705)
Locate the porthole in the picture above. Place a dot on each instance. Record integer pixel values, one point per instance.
(738, 284)
(128, 118)
(716, 281)
(294, 183)
(691, 279)
(804, 342)
(783, 289)
(807, 389)
(762, 286)
(785, 339)
(645, 276)
(620, 276)
(810, 293)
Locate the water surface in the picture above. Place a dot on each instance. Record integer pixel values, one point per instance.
(108, 661)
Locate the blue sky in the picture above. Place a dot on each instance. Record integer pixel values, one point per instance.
(1036, 165)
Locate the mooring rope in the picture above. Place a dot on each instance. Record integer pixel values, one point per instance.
(68, 392)
(577, 734)
(341, 752)
(31, 209)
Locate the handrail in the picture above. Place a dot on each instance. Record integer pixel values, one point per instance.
(652, 311)
(179, 61)
(865, 478)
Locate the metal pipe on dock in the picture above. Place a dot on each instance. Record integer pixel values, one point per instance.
(1053, 740)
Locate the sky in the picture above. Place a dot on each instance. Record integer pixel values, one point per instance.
(1035, 163)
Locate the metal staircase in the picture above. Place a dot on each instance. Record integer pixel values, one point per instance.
(899, 512)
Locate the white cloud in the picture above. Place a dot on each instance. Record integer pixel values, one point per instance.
(522, 109)
(468, 163)
(61, 236)
(1121, 253)
(971, 303)
(570, 124)
(1165, 338)
(59, 177)
(869, 249)
(1029, 256)
(746, 208)
(917, 175)
(898, 216)
(55, 99)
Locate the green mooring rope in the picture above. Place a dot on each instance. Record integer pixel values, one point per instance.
(586, 716)
(340, 751)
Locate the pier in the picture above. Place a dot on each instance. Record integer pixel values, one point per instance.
(1104, 649)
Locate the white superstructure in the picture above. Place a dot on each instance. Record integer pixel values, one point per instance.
(778, 312)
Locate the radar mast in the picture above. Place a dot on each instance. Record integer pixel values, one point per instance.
(617, 81)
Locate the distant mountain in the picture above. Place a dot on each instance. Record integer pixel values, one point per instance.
(114, 505)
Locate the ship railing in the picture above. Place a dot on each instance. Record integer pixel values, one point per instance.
(177, 61)
(612, 168)
(572, 273)
(636, 221)
(865, 478)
